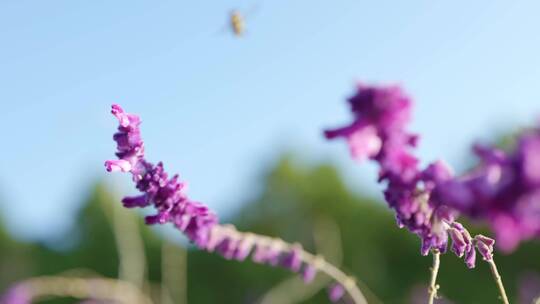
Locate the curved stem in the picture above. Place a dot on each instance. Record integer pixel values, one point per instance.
(498, 280)
(317, 261)
(84, 288)
(433, 287)
(340, 277)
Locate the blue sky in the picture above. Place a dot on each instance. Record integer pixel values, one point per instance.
(219, 109)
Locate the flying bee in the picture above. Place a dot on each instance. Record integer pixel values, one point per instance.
(237, 23)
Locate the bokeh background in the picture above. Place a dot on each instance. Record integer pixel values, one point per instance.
(240, 118)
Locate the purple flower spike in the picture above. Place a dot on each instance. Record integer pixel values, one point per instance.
(378, 132)
(130, 149)
(200, 225)
(164, 193)
(380, 113)
(485, 246)
(336, 292)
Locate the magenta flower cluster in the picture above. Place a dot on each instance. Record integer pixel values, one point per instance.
(503, 189)
(378, 132)
(166, 194)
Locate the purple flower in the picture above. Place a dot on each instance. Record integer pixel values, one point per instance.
(463, 243)
(244, 247)
(364, 143)
(136, 201)
(164, 193)
(336, 292)
(18, 294)
(504, 190)
(309, 272)
(378, 132)
(436, 173)
(118, 165)
(293, 258)
(268, 253)
(485, 246)
(227, 247)
(232, 244)
(379, 114)
(461, 239)
(130, 148)
(470, 257)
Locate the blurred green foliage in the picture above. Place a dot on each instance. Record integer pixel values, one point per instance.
(294, 198)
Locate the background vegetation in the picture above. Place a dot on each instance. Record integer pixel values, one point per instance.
(309, 204)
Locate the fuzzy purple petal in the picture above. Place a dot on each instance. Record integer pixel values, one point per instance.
(336, 292)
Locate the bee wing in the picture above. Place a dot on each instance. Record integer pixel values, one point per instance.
(253, 10)
(226, 28)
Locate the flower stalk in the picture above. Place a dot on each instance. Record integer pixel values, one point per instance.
(433, 287)
(498, 281)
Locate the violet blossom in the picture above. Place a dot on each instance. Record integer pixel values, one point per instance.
(336, 292)
(166, 194)
(485, 247)
(201, 226)
(503, 189)
(378, 132)
(386, 111)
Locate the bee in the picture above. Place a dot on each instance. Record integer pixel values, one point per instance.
(237, 23)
